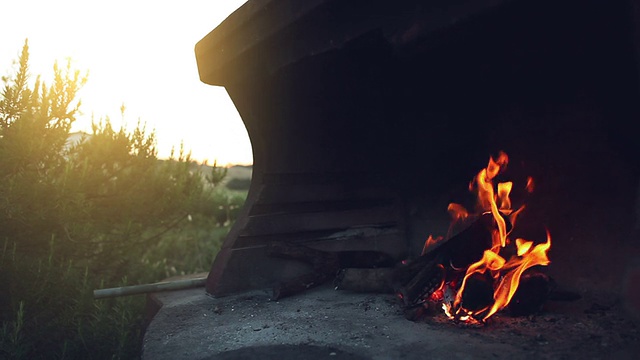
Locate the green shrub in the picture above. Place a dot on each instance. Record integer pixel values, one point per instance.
(102, 213)
(222, 205)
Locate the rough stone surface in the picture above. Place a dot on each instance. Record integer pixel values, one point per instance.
(323, 323)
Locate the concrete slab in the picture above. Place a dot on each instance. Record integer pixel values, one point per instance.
(324, 323)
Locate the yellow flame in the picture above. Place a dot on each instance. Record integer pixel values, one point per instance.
(509, 273)
(506, 273)
(487, 198)
(523, 246)
(517, 265)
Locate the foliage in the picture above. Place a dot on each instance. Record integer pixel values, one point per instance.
(216, 175)
(99, 213)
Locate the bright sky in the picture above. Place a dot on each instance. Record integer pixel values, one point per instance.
(140, 53)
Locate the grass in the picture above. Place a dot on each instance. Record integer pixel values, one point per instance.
(55, 315)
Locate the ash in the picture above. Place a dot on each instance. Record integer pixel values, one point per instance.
(325, 323)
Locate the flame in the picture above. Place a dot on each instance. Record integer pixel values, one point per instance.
(515, 267)
(458, 212)
(505, 273)
(431, 241)
(523, 246)
(488, 200)
(504, 189)
(530, 185)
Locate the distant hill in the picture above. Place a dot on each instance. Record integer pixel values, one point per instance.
(240, 172)
(238, 176)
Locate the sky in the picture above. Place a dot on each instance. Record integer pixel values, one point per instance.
(139, 53)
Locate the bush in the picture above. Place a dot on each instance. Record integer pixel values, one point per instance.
(101, 213)
(222, 205)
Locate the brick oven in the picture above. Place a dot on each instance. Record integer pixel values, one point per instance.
(367, 118)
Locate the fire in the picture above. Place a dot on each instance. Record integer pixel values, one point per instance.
(431, 241)
(503, 274)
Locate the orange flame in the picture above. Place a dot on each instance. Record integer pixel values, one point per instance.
(431, 241)
(515, 267)
(530, 185)
(457, 212)
(506, 274)
(487, 197)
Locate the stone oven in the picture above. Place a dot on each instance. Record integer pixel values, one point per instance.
(367, 118)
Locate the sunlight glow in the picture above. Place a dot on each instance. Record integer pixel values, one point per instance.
(140, 54)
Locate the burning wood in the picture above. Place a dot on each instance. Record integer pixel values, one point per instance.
(468, 273)
(534, 290)
(472, 275)
(426, 274)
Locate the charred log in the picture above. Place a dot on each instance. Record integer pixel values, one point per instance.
(533, 292)
(422, 284)
(467, 247)
(478, 292)
(420, 277)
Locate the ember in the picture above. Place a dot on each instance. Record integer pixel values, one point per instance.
(477, 272)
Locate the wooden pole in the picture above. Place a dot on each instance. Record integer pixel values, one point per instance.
(149, 288)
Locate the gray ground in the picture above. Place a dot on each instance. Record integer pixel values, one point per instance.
(323, 323)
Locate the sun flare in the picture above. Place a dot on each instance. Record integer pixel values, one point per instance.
(139, 54)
